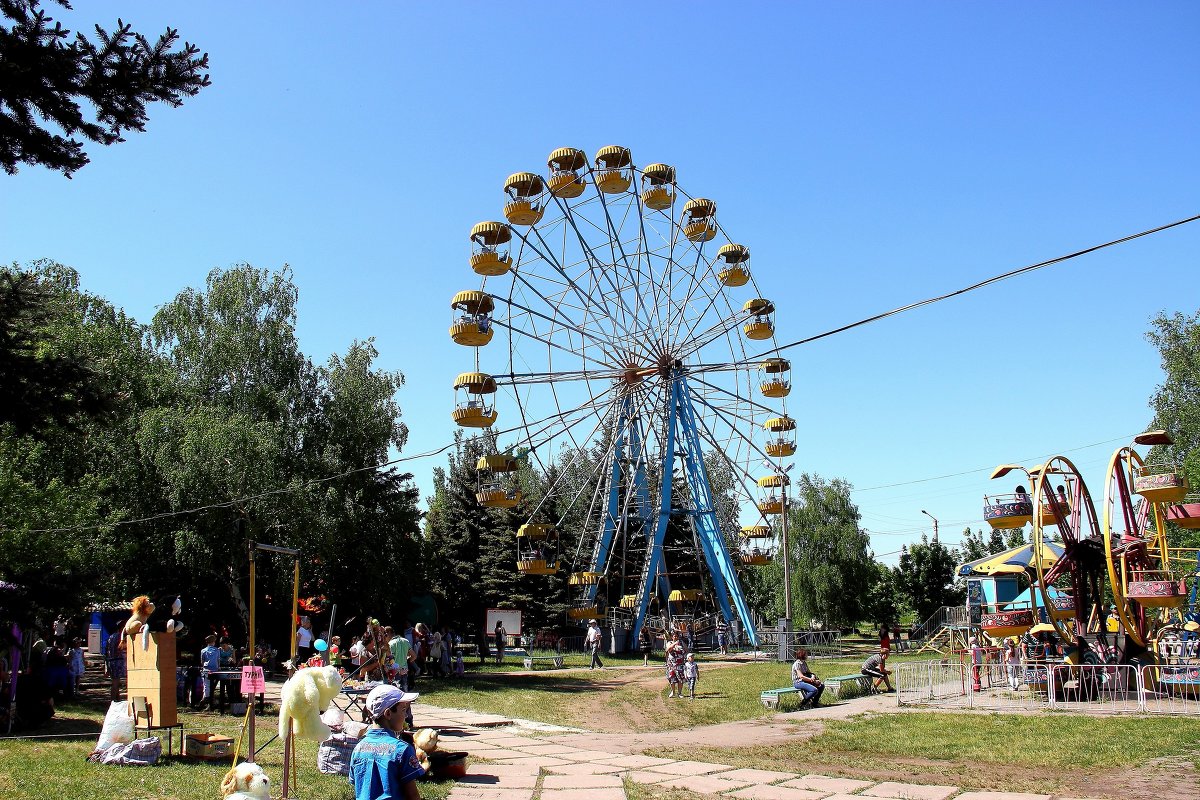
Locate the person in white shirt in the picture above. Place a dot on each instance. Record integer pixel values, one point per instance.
(304, 640)
(592, 640)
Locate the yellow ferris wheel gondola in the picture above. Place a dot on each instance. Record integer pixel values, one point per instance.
(472, 326)
(497, 462)
(525, 190)
(685, 595)
(564, 165)
(487, 258)
(536, 546)
(783, 444)
(475, 411)
(759, 325)
(658, 181)
(614, 169)
(700, 220)
(736, 271)
(777, 381)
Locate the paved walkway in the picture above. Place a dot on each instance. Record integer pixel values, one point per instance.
(522, 767)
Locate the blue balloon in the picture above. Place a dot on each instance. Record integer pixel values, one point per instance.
(320, 645)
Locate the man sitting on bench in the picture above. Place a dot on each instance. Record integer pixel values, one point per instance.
(876, 667)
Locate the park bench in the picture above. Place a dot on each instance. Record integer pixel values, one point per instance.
(833, 688)
(554, 662)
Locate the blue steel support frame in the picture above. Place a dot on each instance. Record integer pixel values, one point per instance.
(649, 583)
(604, 545)
(726, 585)
(712, 543)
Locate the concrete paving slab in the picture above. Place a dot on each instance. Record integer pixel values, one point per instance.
(637, 762)
(576, 768)
(501, 770)
(762, 792)
(533, 761)
(581, 782)
(583, 794)
(538, 749)
(910, 791)
(823, 783)
(706, 784)
(1002, 796)
(760, 776)
(461, 792)
(589, 755)
(690, 768)
(642, 776)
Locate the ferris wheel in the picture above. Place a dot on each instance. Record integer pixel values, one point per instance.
(1148, 578)
(616, 318)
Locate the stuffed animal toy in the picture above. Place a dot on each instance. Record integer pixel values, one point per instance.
(426, 739)
(142, 609)
(304, 697)
(246, 781)
(165, 616)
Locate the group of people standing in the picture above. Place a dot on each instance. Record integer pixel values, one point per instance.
(400, 657)
(682, 669)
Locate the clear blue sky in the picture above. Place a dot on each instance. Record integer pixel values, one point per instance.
(870, 154)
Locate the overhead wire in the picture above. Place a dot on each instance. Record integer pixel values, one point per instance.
(430, 453)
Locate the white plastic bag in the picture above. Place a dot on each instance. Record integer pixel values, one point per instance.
(118, 726)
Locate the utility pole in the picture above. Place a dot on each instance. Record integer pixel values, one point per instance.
(932, 517)
(787, 560)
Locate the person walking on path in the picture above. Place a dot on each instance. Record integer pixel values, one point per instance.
(675, 655)
(691, 673)
(210, 662)
(593, 640)
(806, 681)
(722, 636)
(383, 765)
(876, 667)
(646, 642)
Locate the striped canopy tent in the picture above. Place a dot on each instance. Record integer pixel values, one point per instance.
(1015, 560)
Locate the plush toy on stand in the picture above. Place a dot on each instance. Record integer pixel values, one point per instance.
(165, 616)
(304, 697)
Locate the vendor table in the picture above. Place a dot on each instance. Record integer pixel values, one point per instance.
(357, 699)
(230, 681)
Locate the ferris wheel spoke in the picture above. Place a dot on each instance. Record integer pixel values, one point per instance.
(602, 342)
(595, 261)
(723, 416)
(716, 331)
(521, 332)
(739, 398)
(546, 256)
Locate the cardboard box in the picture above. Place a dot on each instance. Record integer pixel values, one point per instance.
(207, 746)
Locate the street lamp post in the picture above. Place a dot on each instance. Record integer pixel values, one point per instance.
(787, 563)
(935, 524)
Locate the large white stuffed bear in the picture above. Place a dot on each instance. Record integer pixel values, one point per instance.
(304, 697)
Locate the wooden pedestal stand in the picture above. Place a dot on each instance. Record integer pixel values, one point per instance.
(151, 674)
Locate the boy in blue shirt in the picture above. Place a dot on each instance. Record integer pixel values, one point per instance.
(384, 766)
(210, 661)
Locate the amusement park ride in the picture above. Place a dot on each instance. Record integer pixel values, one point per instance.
(1118, 593)
(617, 322)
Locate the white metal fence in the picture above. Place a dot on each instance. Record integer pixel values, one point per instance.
(1088, 688)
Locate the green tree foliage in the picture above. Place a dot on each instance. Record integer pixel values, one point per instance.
(1176, 402)
(62, 464)
(926, 577)
(45, 377)
(833, 566)
(214, 403)
(45, 75)
(973, 546)
(1015, 538)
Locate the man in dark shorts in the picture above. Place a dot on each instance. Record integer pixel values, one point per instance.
(876, 667)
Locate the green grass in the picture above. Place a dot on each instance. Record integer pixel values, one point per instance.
(596, 700)
(49, 769)
(985, 751)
